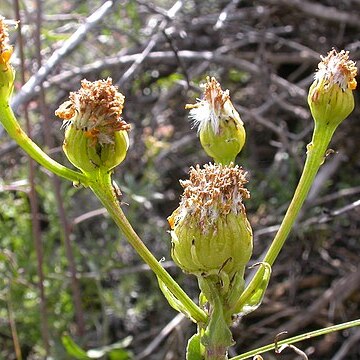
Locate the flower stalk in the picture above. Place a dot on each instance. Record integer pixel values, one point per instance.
(15, 131)
(9, 121)
(298, 338)
(331, 101)
(315, 158)
(96, 142)
(103, 189)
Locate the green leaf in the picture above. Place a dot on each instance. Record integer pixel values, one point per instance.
(252, 297)
(73, 349)
(119, 354)
(51, 36)
(173, 301)
(194, 348)
(114, 351)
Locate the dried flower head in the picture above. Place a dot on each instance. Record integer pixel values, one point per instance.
(337, 69)
(220, 128)
(7, 72)
(211, 108)
(96, 136)
(95, 109)
(210, 227)
(330, 96)
(6, 49)
(213, 191)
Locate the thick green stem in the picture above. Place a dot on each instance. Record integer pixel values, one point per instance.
(316, 152)
(103, 189)
(13, 128)
(217, 337)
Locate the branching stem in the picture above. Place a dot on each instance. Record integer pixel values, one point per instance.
(103, 189)
(13, 128)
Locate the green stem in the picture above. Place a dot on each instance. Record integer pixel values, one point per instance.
(298, 338)
(103, 189)
(13, 128)
(217, 337)
(316, 152)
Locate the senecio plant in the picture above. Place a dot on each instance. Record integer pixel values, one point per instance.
(211, 236)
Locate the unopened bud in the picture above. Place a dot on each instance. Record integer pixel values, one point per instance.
(330, 96)
(220, 128)
(95, 135)
(210, 231)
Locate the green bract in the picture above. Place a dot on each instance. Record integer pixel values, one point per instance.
(210, 231)
(224, 145)
(225, 246)
(88, 156)
(7, 77)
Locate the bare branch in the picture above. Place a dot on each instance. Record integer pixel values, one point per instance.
(27, 91)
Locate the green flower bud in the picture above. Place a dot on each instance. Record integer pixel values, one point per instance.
(221, 131)
(95, 136)
(330, 96)
(210, 231)
(7, 73)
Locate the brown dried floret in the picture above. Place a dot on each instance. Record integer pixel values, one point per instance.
(212, 191)
(6, 49)
(96, 109)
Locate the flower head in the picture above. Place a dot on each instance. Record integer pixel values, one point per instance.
(95, 109)
(211, 192)
(337, 69)
(7, 73)
(96, 136)
(6, 49)
(211, 107)
(330, 96)
(210, 230)
(220, 128)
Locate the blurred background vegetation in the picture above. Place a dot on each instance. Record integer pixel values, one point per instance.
(96, 289)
